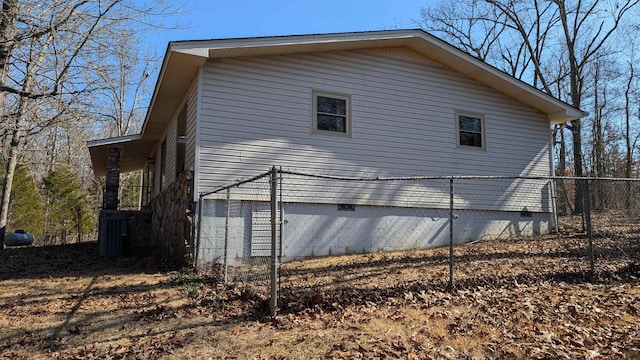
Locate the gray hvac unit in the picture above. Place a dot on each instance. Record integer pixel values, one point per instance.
(113, 231)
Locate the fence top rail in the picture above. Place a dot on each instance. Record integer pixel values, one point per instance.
(595, 178)
(406, 178)
(234, 184)
(455, 177)
(410, 178)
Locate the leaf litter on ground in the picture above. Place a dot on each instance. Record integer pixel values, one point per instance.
(526, 298)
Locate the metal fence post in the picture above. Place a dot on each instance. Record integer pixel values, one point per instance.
(554, 205)
(281, 216)
(226, 235)
(587, 200)
(451, 234)
(274, 241)
(583, 212)
(199, 232)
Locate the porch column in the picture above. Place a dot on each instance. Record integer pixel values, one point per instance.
(110, 201)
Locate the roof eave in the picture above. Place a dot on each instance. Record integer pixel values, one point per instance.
(179, 67)
(566, 115)
(113, 141)
(135, 153)
(416, 39)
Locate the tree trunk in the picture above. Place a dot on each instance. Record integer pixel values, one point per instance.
(14, 152)
(563, 203)
(8, 180)
(598, 166)
(7, 26)
(576, 133)
(627, 134)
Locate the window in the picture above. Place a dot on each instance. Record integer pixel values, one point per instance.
(181, 140)
(163, 163)
(148, 180)
(470, 129)
(331, 114)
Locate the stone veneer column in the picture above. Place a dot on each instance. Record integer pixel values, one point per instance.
(110, 201)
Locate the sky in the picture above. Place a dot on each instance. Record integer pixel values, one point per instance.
(213, 19)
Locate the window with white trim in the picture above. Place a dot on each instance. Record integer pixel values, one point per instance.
(331, 114)
(470, 130)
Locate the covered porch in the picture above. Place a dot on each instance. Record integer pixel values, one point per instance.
(142, 217)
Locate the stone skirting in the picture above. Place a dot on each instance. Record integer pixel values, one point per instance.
(172, 222)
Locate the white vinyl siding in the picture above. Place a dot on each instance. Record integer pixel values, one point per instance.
(255, 113)
(165, 167)
(192, 106)
(157, 170)
(171, 136)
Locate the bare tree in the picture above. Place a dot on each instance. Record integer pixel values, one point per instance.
(7, 33)
(631, 88)
(586, 29)
(49, 53)
(627, 120)
(125, 86)
(575, 30)
(463, 23)
(630, 91)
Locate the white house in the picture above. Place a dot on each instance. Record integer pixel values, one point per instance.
(390, 103)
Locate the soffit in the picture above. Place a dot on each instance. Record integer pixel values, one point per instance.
(135, 153)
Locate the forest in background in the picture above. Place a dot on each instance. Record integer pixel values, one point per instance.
(584, 53)
(71, 71)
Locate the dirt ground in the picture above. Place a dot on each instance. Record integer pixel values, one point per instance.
(512, 300)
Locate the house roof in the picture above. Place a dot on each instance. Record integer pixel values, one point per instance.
(135, 152)
(183, 59)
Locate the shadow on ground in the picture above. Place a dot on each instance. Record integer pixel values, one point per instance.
(55, 261)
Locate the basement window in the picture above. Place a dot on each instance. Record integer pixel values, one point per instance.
(331, 114)
(346, 207)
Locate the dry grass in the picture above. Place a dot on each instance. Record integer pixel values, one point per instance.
(515, 299)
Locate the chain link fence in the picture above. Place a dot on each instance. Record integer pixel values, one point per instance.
(247, 229)
(603, 216)
(233, 235)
